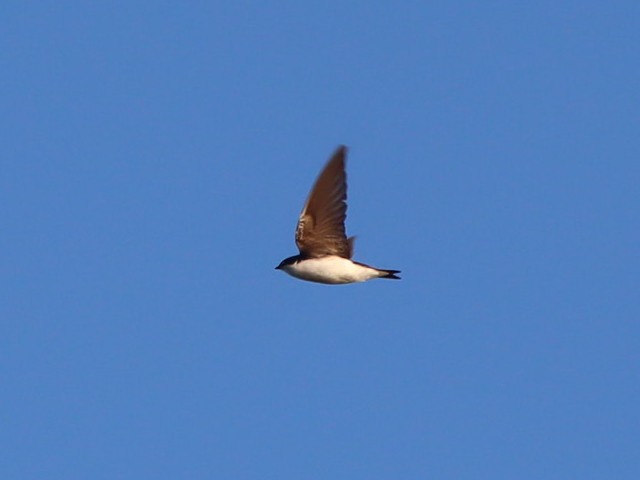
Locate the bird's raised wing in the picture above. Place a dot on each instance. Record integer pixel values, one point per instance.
(320, 228)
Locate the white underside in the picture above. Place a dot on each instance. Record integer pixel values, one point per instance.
(331, 269)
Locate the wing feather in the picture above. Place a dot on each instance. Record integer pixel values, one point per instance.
(321, 229)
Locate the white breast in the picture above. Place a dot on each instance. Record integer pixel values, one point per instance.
(331, 269)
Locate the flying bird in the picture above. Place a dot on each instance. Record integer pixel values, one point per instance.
(325, 251)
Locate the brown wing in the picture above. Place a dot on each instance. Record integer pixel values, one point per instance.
(320, 228)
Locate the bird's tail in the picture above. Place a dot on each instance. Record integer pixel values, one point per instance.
(388, 274)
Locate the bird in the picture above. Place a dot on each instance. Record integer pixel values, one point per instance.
(325, 251)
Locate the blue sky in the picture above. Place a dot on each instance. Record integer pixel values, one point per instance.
(155, 157)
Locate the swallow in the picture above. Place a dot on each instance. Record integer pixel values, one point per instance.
(325, 251)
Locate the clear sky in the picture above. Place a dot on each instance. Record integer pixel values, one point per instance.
(155, 157)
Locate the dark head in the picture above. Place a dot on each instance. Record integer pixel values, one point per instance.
(288, 261)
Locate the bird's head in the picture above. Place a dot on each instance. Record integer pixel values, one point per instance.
(288, 261)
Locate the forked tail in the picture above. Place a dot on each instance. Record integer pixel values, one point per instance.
(388, 274)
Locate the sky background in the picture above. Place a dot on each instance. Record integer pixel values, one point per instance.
(155, 157)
